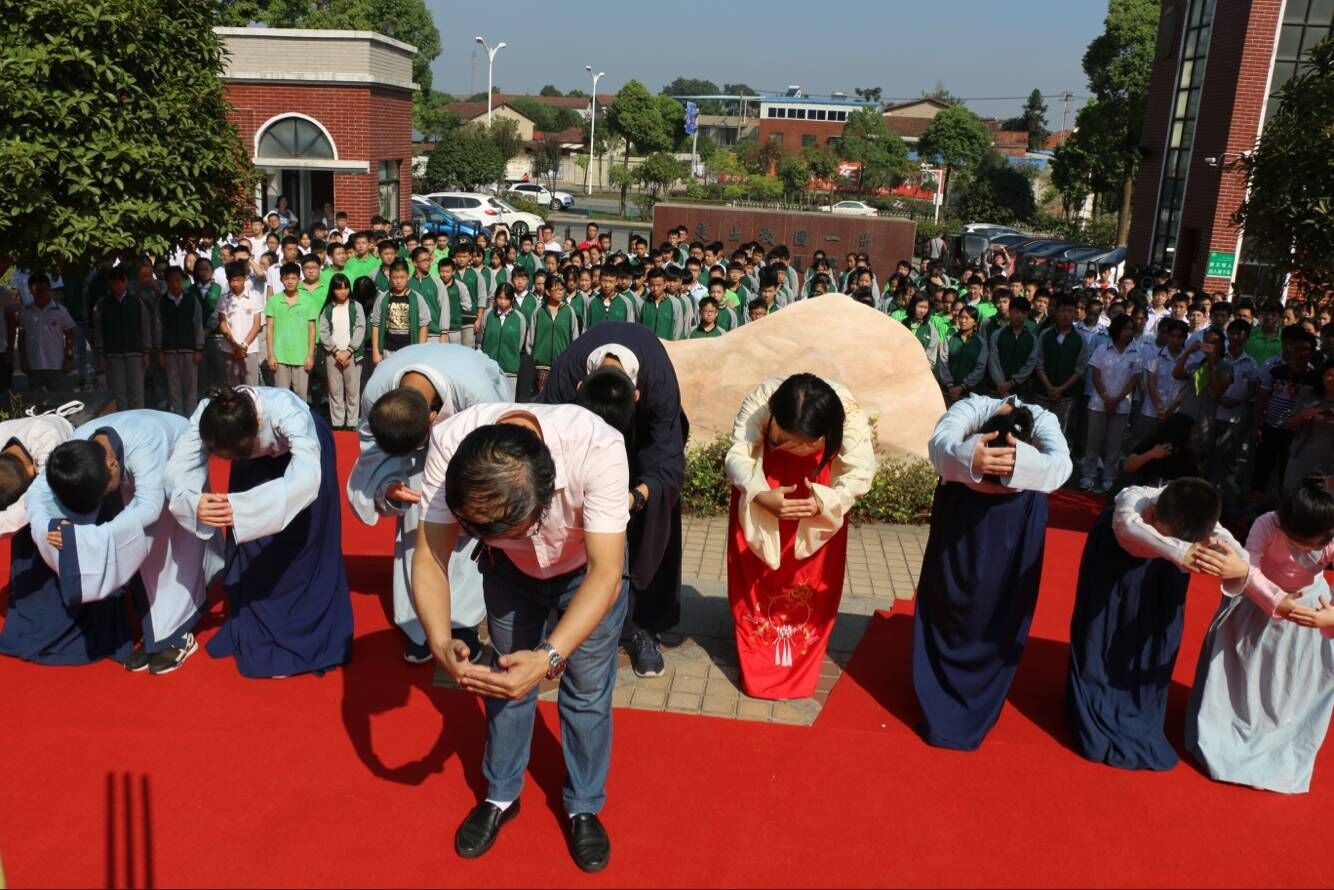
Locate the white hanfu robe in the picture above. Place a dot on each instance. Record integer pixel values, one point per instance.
(97, 560)
(38, 436)
(462, 377)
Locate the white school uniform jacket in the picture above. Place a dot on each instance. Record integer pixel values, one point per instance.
(98, 559)
(286, 426)
(38, 436)
(1043, 466)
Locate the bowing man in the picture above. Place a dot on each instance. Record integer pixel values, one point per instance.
(25, 444)
(982, 566)
(100, 522)
(621, 372)
(288, 604)
(409, 392)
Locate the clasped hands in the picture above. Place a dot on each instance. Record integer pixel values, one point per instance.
(514, 677)
(214, 510)
(778, 501)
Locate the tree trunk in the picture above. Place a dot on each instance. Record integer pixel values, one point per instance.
(1123, 218)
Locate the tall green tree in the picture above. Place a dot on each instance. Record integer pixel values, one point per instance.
(1035, 120)
(546, 162)
(635, 116)
(738, 89)
(1119, 64)
(1288, 214)
(108, 141)
(465, 159)
(940, 93)
(957, 139)
(794, 173)
(504, 135)
(409, 20)
(882, 154)
(997, 192)
(429, 116)
(660, 170)
(550, 90)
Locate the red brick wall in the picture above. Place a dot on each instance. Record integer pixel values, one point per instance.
(1240, 53)
(367, 124)
(793, 130)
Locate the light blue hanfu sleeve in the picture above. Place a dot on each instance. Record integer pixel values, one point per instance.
(268, 508)
(954, 439)
(1046, 465)
(95, 561)
(187, 477)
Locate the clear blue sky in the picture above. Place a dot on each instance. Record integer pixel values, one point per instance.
(977, 48)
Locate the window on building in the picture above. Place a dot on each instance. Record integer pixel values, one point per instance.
(773, 112)
(294, 137)
(776, 137)
(834, 142)
(807, 140)
(801, 114)
(389, 189)
(1181, 131)
(821, 114)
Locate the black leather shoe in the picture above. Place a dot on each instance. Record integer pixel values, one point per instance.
(589, 844)
(480, 830)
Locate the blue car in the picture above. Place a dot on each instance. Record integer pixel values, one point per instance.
(430, 218)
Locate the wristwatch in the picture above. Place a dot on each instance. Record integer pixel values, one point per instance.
(639, 499)
(557, 661)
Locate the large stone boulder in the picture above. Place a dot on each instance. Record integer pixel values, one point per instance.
(832, 336)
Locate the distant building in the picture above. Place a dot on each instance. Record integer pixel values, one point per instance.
(326, 116)
(1217, 69)
(799, 121)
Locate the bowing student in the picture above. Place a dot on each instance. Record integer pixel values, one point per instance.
(25, 444)
(288, 604)
(1129, 611)
(407, 394)
(102, 530)
(983, 562)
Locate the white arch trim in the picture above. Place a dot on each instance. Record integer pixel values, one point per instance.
(259, 131)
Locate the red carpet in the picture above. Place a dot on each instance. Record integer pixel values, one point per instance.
(360, 778)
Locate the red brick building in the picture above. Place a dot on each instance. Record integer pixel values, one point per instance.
(798, 121)
(1218, 66)
(327, 116)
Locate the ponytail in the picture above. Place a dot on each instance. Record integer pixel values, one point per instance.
(1307, 512)
(229, 422)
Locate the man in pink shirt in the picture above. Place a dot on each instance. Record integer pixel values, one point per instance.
(542, 487)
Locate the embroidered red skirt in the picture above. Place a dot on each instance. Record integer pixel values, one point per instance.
(783, 618)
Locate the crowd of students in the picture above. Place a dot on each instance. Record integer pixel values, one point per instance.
(571, 502)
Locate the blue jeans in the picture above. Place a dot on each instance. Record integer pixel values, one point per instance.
(517, 607)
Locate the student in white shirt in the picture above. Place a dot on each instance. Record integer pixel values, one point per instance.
(1163, 393)
(241, 322)
(1116, 369)
(1232, 425)
(46, 337)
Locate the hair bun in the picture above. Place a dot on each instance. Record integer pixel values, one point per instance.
(1316, 481)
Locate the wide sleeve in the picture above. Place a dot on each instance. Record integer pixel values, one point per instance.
(660, 462)
(372, 475)
(270, 507)
(1261, 590)
(95, 561)
(744, 465)
(1139, 538)
(187, 477)
(1047, 466)
(954, 439)
(850, 477)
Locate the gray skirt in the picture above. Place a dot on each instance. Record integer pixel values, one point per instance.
(1263, 695)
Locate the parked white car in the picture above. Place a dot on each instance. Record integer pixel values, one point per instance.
(487, 210)
(853, 208)
(542, 195)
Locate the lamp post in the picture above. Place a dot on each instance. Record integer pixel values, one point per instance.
(490, 63)
(592, 131)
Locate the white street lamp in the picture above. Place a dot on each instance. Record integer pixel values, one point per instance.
(592, 131)
(490, 62)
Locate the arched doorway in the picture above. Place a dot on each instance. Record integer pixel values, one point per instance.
(298, 158)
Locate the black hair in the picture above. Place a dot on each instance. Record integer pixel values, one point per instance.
(808, 407)
(364, 291)
(386, 244)
(610, 394)
(78, 474)
(1018, 422)
(1239, 324)
(400, 421)
(289, 269)
(757, 304)
(1307, 512)
(503, 470)
(310, 258)
(911, 308)
(1020, 303)
(14, 480)
(710, 301)
(1295, 333)
(399, 265)
(337, 280)
(39, 278)
(229, 422)
(1190, 508)
(1119, 324)
(237, 269)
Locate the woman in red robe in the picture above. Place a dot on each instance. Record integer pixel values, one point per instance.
(801, 455)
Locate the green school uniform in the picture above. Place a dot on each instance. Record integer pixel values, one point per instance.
(503, 339)
(1014, 350)
(963, 355)
(429, 290)
(362, 267)
(700, 333)
(985, 310)
(1262, 347)
(529, 262)
(472, 278)
(619, 308)
(1060, 358)
(550, 335)
(527, 304)
(579, 303)
(290, 322)
(660, 318)
(414, 318)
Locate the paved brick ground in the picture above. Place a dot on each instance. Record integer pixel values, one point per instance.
(702, 676)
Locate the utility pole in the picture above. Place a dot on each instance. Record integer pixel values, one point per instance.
(1065, 109)
(472, 74)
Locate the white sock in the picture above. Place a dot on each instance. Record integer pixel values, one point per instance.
(500, 805)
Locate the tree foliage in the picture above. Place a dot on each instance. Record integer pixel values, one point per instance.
(504, 135)
(409, 20)
(1289, 212)
(870, 94)
(550, 90)
(956, 138)
(882, 154)
(636, 117)
(1033, 121)
(660, 170)
(738, 89)
(793, 173)
(996, 192)
(109, 141)
(941, 94)
(820, 160)
(546, 162)
(759, 157)
(546, 118)
(694, 86)
(429, 116)
(466, 159)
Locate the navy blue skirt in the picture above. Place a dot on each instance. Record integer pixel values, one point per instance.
(288, 607)
(47, 623)
(1124, 638)
(975, 601)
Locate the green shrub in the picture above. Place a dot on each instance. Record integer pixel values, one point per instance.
(901, 492)
(526, 205)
